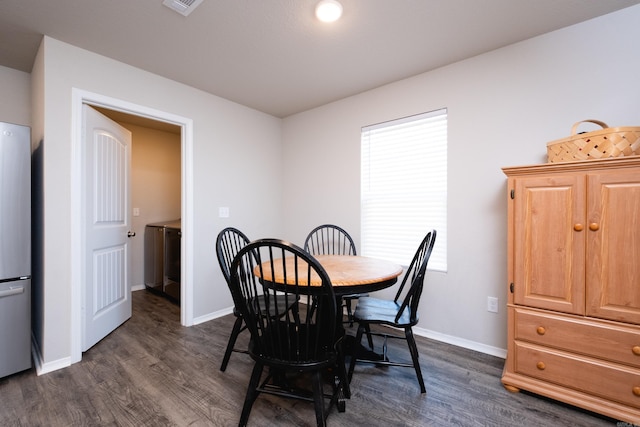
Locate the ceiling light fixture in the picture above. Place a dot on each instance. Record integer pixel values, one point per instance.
(328, 10)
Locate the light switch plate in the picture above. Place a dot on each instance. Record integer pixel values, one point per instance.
(492, 304)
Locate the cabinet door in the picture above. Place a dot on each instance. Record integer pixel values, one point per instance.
(613, 246)
(549, 214)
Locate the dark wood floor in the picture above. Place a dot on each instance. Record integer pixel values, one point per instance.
(153, 372)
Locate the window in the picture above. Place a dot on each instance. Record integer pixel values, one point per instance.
(404, 187)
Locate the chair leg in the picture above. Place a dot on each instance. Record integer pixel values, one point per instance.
(342, 371)
(252, 394)
(347, 304)
(237, 327)
(413, 349)
(318, 399)
(354, 355)
(369, 337)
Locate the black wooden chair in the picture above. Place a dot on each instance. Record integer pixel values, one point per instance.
(401, 313)
(294, 348)
(329, 239)
(228, 244)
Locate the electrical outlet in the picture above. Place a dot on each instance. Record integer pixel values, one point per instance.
(492, 304)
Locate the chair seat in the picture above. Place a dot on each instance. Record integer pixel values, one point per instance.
(367, 301)
(374, 310)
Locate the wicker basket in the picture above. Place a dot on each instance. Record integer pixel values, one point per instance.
(607, 142)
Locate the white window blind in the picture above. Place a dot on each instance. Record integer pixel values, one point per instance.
(404, 187)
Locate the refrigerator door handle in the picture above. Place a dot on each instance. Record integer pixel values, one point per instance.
(14, 290)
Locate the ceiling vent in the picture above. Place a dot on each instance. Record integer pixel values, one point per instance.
(183, 7)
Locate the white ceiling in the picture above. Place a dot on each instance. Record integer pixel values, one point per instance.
(273, 55)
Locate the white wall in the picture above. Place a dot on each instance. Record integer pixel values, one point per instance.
(15, 103)
(503, 107)
(236, 163)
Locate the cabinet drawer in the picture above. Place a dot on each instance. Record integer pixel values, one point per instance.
(616, 343)
(606, 380)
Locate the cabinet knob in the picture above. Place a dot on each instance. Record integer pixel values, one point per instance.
(541, 330)
(578, 227)
(542, 366)
(636, 391)
(594, 226)
(636, 350)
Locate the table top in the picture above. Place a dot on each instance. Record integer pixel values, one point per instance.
(348, 274)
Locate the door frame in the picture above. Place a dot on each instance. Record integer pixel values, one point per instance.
(78, 98)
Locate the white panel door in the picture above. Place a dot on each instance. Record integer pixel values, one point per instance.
(107, 225)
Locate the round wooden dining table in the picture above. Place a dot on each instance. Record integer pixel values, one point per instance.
(349, 274)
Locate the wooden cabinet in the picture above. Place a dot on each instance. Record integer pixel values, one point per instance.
(574, 284)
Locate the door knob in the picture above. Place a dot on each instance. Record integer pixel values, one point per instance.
(131, 233)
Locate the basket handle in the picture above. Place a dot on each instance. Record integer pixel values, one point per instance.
(574, 128)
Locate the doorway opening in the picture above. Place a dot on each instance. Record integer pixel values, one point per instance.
(142, 116)
(156, 201)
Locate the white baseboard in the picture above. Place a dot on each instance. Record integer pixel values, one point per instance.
(44, 368)
(214, 315)
(461, 342)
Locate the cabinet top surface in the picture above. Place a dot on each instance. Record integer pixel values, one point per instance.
(581, 165)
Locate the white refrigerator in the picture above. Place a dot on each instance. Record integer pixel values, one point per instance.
(15, 248)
